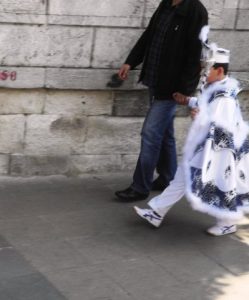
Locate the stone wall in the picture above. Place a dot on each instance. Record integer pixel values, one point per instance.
(57, 115)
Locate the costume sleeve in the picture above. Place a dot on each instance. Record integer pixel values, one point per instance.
(193, 102)
(223, 111)
(191, 68)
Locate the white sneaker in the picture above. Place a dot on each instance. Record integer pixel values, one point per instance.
(149, 215)
(219, 230)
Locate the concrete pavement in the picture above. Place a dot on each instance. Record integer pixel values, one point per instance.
(69, 239)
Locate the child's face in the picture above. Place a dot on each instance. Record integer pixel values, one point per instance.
(215, 75)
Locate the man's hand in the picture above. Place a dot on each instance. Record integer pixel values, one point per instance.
(194, 112)
(181, 99)
(123, 71)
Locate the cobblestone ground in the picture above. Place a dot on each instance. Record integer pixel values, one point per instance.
(69, 239)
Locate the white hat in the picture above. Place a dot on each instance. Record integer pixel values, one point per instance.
(211, 53)
(221, 56)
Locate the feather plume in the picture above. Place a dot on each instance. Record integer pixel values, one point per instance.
(204, 33)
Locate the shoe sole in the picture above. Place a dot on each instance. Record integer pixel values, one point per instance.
(129, 199)
(137, 211)
(212, 234)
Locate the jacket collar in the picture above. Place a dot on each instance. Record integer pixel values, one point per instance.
(182, 8)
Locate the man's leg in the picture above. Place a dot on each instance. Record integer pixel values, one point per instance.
(159, 119)
(161, 204)
(166, 168)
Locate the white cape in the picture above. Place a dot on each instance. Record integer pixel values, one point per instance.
(216, 154)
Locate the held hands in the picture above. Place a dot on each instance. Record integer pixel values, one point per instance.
(194, 112)
(123, 71)
(181, 99)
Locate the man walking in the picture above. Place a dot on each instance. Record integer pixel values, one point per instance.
(170, 51)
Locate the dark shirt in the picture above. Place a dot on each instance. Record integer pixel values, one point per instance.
(162, 23)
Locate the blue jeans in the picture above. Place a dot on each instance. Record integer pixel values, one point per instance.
(158, 149)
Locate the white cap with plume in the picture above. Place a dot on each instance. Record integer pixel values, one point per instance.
(211, 53)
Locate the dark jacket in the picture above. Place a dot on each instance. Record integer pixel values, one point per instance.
(179, 67)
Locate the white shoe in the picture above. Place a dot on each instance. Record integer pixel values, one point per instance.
(219, 230)
(149, 215)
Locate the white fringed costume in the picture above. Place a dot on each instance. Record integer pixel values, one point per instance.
(214, 174)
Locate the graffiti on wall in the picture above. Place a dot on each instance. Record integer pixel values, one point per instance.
(8, 75)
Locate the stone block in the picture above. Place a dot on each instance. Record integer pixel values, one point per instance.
(113, 135)
(52, 46)
(244, 104)
(112, 46)
(244, 4)
(11, 133)
(54, 135)
(243, 78)
(22, 18)
(95, 163)
(4, 164)
(21, 101)
(22, 165)
(22, 78)
(129, 21)
(69, 46)
(150, 7)
(129, 162)
(87, 79)
(23, 6)
(78, 102)
(108, 8)
(222, 13)
(243, 17)
(136, 103)
(131, 103)
(231, 40)
(181, 129)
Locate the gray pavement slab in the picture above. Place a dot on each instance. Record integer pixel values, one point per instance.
(69, 239)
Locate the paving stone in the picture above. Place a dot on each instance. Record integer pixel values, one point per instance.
(26, 229)
(225, 252)
(3, 242)
(12, 264)
(88, 282)
(51, 255)
(30, 287)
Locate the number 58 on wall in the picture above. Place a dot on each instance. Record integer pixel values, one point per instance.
(5, 75)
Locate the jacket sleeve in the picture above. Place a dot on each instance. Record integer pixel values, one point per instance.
(137, 53)
(192, 66)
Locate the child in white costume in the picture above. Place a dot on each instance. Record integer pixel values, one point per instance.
(214, 174)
